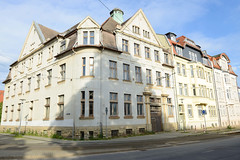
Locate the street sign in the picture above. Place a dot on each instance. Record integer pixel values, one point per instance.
(204, 112)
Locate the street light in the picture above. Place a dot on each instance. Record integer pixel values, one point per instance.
(21, 115)
(106, 110)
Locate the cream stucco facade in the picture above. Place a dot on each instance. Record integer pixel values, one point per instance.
(64, 82)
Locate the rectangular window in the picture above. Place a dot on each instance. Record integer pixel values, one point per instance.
(30, 115)
(29, 84)
(6, 113)
(92, 37)
(170, 111)
(113, 104)
(47, 109)
(179, 51)
(200, 111)
(167, 79)
(112, 69)
(11, 118)
(61, 106)
(136, 49)
(62, 46)
(183, 70)
(149, 76)
(126, 72)
(192, 72)
(91, 100)
(38, 80)
(127, 104)
(138, 74)
(14, 89)
(136, 29)
(18, 112)
(194, 89)
(166, 60)
(185, 89)
(91, 66)
(49, 76)
(21, 87)
(147, 53)
(158, 78)
(178, 68)
(124, 45)
(146, 34)
(190, 113)
(82, 103)
(85, 37)
(156, 55)
(63, 71)
(140, 105)
(83, 66)
(40, 58)
(180, 89)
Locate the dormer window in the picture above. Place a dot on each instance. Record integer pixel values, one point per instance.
(87, 40)
(136, 29)
(63, 45)
(193, 56)
(179, 51)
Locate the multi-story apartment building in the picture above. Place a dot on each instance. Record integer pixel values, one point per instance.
(194, 84)
(113, 78)
(226, 90)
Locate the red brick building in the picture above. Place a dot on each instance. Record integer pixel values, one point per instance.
(1, 95)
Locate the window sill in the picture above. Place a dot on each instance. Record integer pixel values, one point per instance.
(149, 84)
(87, 77)
(126, 52)
(19, 94)
(168, 65)
(45, 119)
(17, 120)
(5, 120)
(18, 109)
(138, 82)
(48, 85)
(157, 61)
(116, 79)
(13, 96)
(62, 81)
(7, 97)
(114, 117)
(86, 118)
(36, 89)
(159, 85)
(137, 56)
(30, 119)
(39, 64)
(149, 59)
(30, 69)
(128, 117)
(170, 116)
(59, 118)
(49, 58)
(127, 81)
(10, 120)
(27, 91)
(141, 117)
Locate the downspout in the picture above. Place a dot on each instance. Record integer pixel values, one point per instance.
(216, 97)
(101, 97)
(176, 97)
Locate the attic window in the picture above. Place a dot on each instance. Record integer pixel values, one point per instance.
(146, 34)
(136, 29)
(63, 45)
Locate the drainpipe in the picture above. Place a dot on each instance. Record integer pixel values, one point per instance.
(216, 98)
(176, 98)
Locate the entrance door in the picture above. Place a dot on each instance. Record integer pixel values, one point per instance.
(156, 119)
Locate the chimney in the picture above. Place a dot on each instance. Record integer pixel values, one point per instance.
(117, 15)
(171, 35)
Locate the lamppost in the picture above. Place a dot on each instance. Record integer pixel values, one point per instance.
(106, 110)
(21, 115)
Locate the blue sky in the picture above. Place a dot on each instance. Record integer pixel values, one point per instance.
(213, 24)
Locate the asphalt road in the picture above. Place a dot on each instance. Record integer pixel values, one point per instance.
(174, 145)
(218, 149)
